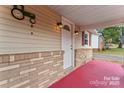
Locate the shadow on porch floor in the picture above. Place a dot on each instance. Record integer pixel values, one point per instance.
(95, 74)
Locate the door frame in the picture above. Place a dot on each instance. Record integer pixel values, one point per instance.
(72, 39)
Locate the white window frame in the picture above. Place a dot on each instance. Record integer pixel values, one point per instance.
(86, 33)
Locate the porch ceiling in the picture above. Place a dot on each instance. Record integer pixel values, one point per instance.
(92, 16)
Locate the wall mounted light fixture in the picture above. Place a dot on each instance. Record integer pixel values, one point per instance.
(19, 13)
(60, 25)
(76, 32)
(77, 29)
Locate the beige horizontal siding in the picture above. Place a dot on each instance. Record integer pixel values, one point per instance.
(15, 35)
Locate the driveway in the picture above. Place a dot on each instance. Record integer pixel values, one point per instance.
(108, 57)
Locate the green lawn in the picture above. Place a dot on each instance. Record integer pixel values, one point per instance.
(113, 51)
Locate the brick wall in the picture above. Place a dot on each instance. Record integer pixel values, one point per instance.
(83, 55)
(95, 49)
(31, 69)
(40, 69)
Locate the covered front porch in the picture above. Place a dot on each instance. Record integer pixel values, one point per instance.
(95, 74)
(58, 47)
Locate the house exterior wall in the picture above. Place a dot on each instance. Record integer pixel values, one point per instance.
(95, 42)
(78, 41)
(33, 60)
(39, 69)
(83, 53)
(15, 34)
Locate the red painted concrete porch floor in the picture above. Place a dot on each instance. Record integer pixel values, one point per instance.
(95, 74)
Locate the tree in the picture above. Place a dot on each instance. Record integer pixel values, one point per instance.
(121, 41)
(111, 35)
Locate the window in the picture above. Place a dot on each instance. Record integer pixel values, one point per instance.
(86, 39)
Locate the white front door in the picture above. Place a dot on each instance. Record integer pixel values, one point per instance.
(67, 44)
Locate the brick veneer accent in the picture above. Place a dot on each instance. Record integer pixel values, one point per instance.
(95, 49)
(31, 69)
(36, 70)
(83, 55)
